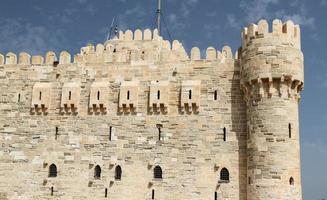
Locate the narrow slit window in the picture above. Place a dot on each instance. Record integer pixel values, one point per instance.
(159, 126)
(158, 94)
(51, 191)
(128, 95)
(152, 197)
(40, 96)
(291, 181)
(70, 95)
(224, 131)
(106, 192)
(290, 130)
(115, 50)
(57, 133)
(215, 96)
(18, 97)
(216, 196)
(97, 172)
(190, 94)
(98, 95)
(110, 133)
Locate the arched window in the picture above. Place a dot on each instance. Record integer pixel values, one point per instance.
(118, 173)
(52, 170)
(157, 172)
(291, 181)
(224, 174)
(97, 172)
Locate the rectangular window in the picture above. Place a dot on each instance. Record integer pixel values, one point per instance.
(224, 130)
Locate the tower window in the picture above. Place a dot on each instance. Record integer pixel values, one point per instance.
(216, 196)
(152, 194)
(18, 97)
(52, 170)
(157, 172)
(106, 192)
(70, 95)
(98, 95)
(215, 96)
(190, 94)
(291, 181)
(158, 94)
(224, 131)
(110, 133)
(118, 173)
(128, 95)
(40, 96)
(159, 126)
(51, 191)
(97, 172)
(290, 130)
(249, 180)
(224, 174)
(57, 132)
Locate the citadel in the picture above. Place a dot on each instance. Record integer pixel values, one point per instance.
(140, 118)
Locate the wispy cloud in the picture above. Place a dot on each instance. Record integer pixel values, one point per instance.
(17, 35)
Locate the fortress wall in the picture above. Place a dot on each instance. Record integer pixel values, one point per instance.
(191, 152)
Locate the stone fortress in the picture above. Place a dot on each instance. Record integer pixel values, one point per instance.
(138, 118)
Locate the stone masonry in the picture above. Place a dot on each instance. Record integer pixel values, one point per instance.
(138, 118)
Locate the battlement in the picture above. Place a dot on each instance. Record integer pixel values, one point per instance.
(287, 31)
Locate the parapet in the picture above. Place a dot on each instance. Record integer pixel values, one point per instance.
(286, 32)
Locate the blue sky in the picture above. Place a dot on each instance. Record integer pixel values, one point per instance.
(37, 26)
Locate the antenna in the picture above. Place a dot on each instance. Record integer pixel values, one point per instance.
(159, 17)
(111, 27)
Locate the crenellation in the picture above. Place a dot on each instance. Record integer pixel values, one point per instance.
(195, 54)
(2, 59)
(64, 58)
(50, 58)
(24, 58)
(37, 60)
(11, 59)
(211, 54)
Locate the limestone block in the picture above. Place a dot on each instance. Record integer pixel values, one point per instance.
(99, 96)
(64, 58)
(2, 59)
(70, 97)
(41, 97)
(128, 35)
(159, 96)
(11, 59)
(24, 58)
(37, 60)
(50, 58)
(190, 95)
(288, 28)
(128, 96)
(195, 53)
(211, 54)
(147, 34)
(138, 35)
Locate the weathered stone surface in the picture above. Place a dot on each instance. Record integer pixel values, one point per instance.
(138, 102)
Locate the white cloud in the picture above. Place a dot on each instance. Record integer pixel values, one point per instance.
(257, 9)
(324, 2)
(17, 36)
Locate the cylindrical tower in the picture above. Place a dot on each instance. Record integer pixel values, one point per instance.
(271, 79)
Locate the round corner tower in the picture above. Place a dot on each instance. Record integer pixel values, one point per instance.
(271, 79)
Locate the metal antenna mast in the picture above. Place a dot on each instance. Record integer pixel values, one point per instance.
(159, 17)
